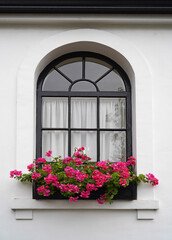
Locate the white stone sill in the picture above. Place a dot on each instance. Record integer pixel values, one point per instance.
(24, 207)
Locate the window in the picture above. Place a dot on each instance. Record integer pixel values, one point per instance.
(84, 99)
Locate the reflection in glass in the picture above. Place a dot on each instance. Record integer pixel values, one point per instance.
(54, 81)
(112, 145)
(83, 112)
(83, 86)
(72, 68)
(86, 140)
(95, 68)
(54, 112)
(111, 82)
(56, 141)
(112, 113)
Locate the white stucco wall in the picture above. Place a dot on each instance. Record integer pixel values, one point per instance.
(152, 42)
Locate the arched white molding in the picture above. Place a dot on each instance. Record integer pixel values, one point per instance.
(126, 55)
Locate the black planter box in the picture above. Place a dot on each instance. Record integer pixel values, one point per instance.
(128, 193)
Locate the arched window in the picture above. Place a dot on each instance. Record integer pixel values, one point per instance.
(84, 99)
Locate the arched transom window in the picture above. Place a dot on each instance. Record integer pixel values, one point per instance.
(84, 99)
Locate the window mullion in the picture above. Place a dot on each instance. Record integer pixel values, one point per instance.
(128, 127)
(69, 126)
(83, 68)
(98, 130)
(38, 126)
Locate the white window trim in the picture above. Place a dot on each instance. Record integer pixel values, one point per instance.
(110, 45)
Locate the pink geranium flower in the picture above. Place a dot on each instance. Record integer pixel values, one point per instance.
(74, 199)
(35, 175)
(15, 173)
(153, 180)
(41, 160)
(43, 191)
(49, 153)
(85, 194)
(30, 167)
(47, 168)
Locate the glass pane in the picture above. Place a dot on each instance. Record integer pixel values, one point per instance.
(84, 112)
(111, 82)
(55, 82)
(83, 86)
(54, 112)
(72, 68)
(112, 113)
(95, 68)
(56, 141)
(112, 146)
(88, 140)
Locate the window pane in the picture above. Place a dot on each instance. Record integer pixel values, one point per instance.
(95, 68)
(55, 82)
(54, 112)
(83, 112)
(88, 140)
(72, 68)
(112, 113)
(112, 145)
(111, 82)
(84, 86)
(56, 141)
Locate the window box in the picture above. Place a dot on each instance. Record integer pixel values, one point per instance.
(128, 193)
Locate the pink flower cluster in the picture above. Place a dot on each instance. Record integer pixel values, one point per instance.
(48, 154)
(153, 180)
(100, 178)
(131, 161)
(69, 188)
(102, 199)
(72, 173)
(41, 160)
(47, 168)
(119, 167)
(85, 194)
(43, 191)
(102, 164)
(15, 173)
(30, 167)
(91, 187)
(67, 160)
(122, 182)
(80, 155)
(77, 161)
(52, 179)
(74, 199)
(35, 175)
(80, 149)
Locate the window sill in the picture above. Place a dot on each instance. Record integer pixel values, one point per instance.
(23, 207)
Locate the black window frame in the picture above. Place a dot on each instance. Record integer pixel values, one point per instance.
(127, 194)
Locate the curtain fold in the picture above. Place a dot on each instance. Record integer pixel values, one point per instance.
(84, 115)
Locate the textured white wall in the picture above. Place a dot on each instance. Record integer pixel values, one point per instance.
(154, 44)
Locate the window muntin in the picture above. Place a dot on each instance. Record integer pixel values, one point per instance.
(110, 116)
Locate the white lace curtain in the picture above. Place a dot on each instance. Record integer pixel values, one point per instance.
(84, 116)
